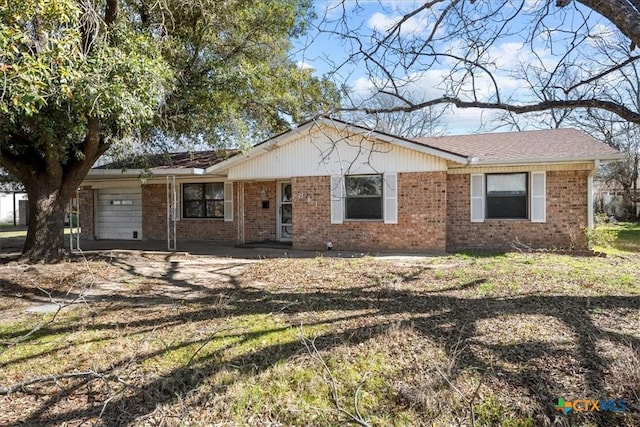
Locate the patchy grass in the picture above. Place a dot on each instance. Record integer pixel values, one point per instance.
(627, 238)
(494, 340)
(10, 231)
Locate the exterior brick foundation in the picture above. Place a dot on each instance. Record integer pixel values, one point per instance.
(259, 222)
(433, 216)
(421, 217)
(566, 203)
(154, 220)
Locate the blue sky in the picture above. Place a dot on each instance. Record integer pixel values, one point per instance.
(324, 52)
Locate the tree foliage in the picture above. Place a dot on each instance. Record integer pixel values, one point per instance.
(80, 76)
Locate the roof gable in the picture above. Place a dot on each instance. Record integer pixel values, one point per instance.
(322, 150)
(345, 129)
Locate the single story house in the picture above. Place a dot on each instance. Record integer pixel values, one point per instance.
(331, 184)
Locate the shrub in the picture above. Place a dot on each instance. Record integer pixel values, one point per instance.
(601, 236)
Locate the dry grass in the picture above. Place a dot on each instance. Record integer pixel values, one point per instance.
(493, 340)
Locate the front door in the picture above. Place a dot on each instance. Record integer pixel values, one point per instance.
(285, 212)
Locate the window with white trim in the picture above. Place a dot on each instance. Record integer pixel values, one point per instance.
(520, 195)
(506, 195)
(363, 196)
(203, 200)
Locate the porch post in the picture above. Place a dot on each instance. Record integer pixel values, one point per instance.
(171, 212)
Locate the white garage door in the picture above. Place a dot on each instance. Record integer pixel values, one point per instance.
(119, 214)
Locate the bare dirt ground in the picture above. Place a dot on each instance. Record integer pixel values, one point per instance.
(134, 339)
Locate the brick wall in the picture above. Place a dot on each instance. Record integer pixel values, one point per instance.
(259, 224)
(87, 223)
(421, 217)
(154, 220)
(566, 214)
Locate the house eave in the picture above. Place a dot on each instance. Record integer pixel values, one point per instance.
(546, 160)
(118, 173)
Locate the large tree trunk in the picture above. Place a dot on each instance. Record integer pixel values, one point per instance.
(50, 179)
(45, 234)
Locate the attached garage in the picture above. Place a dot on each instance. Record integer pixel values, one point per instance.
(119, 213)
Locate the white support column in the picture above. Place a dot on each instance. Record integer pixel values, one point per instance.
(240, 204)
(74, 230)
(171, 212)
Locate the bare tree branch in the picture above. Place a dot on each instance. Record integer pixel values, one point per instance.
(611, 106)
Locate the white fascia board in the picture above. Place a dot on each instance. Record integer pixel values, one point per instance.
(114, 173)
(533, 161)
(178, 171)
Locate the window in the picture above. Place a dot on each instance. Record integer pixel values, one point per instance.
(363, 196)
(203, 200)
(507, 195)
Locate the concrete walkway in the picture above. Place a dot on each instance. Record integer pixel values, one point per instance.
(11, 247)
(193, 247)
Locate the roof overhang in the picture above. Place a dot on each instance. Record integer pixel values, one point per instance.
(119, 173)
(286, 137)
(534, 161)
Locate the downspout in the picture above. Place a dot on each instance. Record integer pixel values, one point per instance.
(590, 216)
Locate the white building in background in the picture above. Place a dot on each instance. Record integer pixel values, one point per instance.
(13, 208)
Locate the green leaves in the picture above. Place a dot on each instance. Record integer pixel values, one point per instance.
(213, 70)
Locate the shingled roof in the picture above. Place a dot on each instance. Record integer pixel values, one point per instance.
(180, 160)
(549, 144)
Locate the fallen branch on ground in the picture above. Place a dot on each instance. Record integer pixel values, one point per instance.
(356, 418)
(61, 305)
(55, 378)
(455, 353)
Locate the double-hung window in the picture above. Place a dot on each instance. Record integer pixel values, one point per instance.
(203, 200)
(363, 197)
(507, 195)
(520, 195)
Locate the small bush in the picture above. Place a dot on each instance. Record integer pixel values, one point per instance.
(601, 236)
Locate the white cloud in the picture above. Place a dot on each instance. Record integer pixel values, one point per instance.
(382, 22)
(462, 121)
(303, 65)
(602, 33)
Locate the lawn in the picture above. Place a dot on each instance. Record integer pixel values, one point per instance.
(9, 231)
(451, 340)
(627, 236)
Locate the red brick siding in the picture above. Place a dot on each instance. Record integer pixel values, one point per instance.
(566, 217)
(259, 224)
(87, 223)
(421, 217)
(154, 219)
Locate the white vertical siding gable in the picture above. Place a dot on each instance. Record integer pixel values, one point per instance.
(326, 152)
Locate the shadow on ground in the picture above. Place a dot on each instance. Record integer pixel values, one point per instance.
(453, 322)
